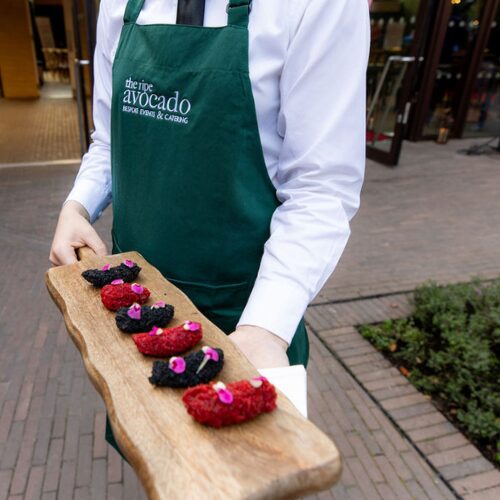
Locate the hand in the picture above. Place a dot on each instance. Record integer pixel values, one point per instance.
(262, 348)
(74, 231)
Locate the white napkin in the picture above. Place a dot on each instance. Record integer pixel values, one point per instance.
(292, 382)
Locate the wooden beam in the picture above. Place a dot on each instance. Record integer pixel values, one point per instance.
(18, 66)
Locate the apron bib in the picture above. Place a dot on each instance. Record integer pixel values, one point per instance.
(191, 191)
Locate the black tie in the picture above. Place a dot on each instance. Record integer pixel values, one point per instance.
(191, 12)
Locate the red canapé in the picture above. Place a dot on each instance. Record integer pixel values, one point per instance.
(119, 294)
(163, 342)
(218, 405)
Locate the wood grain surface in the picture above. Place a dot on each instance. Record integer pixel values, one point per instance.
(277, 455)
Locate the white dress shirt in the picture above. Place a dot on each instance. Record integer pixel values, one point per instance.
(308, 61)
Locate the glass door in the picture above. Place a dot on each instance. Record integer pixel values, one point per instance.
(84, 23)
(461, 36)
(482, 106)
(398, 33)
(459, 85)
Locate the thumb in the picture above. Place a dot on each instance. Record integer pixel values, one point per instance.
(93, 240)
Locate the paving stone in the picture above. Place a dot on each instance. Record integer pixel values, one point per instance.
(364, 456)
(378, 363)
(353, 343)
(23, 459)
(84, 464)
(364, 482)
(49, 496)
(466, 468)
(67, 479)
(6, 419)
(365, 413)
(412, 411)
(11, 450)
(478, 482)
(392, 433)
(115, 491)
(422, 476)
(421, 421)
(42, 442)
(82, 493)
(53, 467)
(454, 456)
(366, 359)
(325, 495)
(24, 401)
(5, 477)
(392, 454)
(115, 466)
(386, 492)
(404, 401)
(71, 438)
(416, 490)
(355, 351)
(396, 484)
(386, 375)
(443, 443)
(35, 481)
(355, 493)
(491, 494)
(98, 485)
(431, 432)
(394, 391)
(100, 445)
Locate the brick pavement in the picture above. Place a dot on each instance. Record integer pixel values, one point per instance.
(50, 133)
(433, 217)
(51, 419)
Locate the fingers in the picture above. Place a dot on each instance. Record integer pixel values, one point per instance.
(73, 231)
(61, 255)
(93, 240)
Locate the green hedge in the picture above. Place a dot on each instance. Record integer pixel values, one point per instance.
(451, 348)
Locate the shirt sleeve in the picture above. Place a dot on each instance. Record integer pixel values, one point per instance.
(322, 161)
(92, 187)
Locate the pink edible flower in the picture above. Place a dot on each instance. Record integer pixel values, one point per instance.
(257, 381)
(158, 304)
(134, 311)
(117, 282)
(155, 331)
(129, 263)
(136, 288)
(106, 267)
(177, 365)
(210, 354)
(191, 326)
(225, 396)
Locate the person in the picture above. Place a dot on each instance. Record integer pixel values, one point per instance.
(233, 153)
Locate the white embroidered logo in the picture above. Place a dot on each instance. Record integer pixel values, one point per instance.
(139, 99)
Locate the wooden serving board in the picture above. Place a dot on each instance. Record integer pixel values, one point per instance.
(277, 455)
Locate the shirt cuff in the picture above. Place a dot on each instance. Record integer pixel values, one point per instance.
(277, 306)
(92, 196)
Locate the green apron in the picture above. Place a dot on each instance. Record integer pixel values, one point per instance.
(191, 191)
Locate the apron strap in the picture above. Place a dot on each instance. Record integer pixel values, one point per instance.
(238, 12)
(132, 10)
